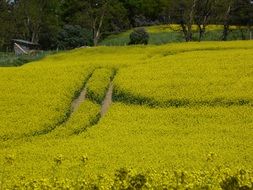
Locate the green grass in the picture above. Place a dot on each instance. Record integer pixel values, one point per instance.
(12, 60)
(156, 39)
(163, 34)
(176, 107)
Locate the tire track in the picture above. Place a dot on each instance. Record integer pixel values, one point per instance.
(107, 101)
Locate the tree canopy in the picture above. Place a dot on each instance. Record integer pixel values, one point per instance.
(43, 21)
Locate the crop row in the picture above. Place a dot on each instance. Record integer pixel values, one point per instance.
(216, 178)
(86, 115)
(98, 84)
(202, 78)
(34, 99)
(143, 138)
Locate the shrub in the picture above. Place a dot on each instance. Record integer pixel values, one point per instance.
(73, 36)
(139, 36)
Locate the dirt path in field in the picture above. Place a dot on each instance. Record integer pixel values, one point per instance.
(79, 100)
(107, 101)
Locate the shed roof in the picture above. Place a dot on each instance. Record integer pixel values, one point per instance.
(24, 42)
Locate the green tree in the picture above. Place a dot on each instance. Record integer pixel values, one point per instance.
(133, 8)
(32, 15)
(183, 14)
(242, 16)
(99, 16)
(204, 10)
(224, 10)
(7, 24)
(233, 12)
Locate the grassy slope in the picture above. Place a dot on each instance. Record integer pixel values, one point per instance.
(36, 96)
(163, 34)
(11, 60)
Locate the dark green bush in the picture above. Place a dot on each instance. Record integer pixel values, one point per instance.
(139, 36)
(71, 37)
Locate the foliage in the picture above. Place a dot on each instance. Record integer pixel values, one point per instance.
(5, 30)
(41, 20)
(71, 37)
(97, 16)
(162, 34)
(31, 16)
(139, 36)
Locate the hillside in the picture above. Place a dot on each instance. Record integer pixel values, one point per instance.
(162, 34)
(184, 106)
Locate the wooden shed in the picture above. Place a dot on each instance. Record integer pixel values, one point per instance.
(24, 47)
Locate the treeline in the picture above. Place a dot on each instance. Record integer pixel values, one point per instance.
(70, 23)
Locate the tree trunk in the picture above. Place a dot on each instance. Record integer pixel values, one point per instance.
(225, 32)
(187, 26)
(97, 29)
(202, 31)
(202, 28)
(190, 23)
(189, 33)
(226, 24)
(97, 32)
(250, 32)
(242, 34)
(35, 36)
(184, 31)
(95, 40)
(203, 13)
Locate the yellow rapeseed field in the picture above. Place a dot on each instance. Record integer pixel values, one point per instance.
(181, 116)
